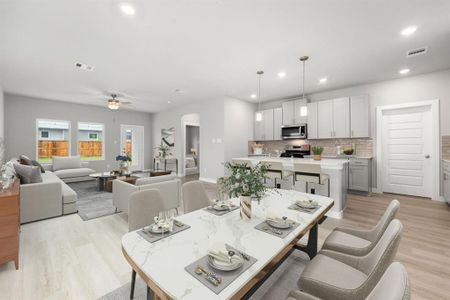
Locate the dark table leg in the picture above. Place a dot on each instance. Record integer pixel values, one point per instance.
(311, 247)
(100, 183)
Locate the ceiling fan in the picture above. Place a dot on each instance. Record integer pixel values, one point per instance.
(115, 104)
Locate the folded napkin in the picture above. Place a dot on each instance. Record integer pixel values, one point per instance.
(220, 253)
(277, 219)
(309, 202)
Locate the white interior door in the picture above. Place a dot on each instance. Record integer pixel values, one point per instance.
(407, 147)
(132, 143)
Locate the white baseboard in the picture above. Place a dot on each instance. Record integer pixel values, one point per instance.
(376, 191)
(209, 180)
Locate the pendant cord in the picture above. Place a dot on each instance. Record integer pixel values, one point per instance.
(304, 79)
(259, 92)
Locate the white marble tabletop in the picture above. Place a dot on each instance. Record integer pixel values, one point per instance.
(164, 261)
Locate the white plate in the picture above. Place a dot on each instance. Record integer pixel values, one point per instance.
(307, 204)
(280, 225)
(157, 229)
(223, 266)
(220, 207)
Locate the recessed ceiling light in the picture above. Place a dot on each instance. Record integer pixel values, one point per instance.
(409, 30)
(127, 9)
(253, 96)
(169, 101)
(323, 80)
(282, 74)
(404, 71)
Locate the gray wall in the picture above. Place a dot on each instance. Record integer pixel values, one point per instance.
(21, 113)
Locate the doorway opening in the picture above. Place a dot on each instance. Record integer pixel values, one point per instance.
(132, 144)
(191, 145)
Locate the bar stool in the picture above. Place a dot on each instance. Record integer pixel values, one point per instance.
(242, 161)
(310, 173)
(276, 171)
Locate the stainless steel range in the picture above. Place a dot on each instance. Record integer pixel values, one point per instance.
(296, 151)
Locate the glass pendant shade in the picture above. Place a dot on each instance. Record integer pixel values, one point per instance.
(258, 117)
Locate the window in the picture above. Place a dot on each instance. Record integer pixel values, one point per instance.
(53, 139)
(91, 143)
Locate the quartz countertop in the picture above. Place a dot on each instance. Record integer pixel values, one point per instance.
(288, 162)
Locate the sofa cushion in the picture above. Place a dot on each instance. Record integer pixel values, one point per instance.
(28, 174)
(149, 180)
(71, 173)
(62, 162)
(68, 195)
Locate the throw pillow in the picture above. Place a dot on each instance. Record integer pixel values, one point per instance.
(25, 160)
(28, 174)
(37, 164)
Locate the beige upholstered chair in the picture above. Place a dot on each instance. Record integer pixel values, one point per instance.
(360, 242)
(276, 171)
(242, 161)
(194, 196)
(342, 276)
(394, 285)
(310, 173)
(143, 207)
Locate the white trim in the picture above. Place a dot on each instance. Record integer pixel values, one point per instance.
(434, 106)
(209, 180)
(182, 167)
(37, 136)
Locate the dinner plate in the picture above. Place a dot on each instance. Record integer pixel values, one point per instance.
(280, 225)
(220, 207)
(224, 266)
(307, 204)
(158, 229)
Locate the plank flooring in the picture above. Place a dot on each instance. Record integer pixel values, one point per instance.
(68, 258)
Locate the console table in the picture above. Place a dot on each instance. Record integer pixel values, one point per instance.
(10, 224)
(166, 161)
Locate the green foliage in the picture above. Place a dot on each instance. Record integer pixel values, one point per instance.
(164, 150)
(244, 180)
(317, 150)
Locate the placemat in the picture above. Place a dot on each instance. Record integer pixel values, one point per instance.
(281, 233)
(153, 237)
(227, 276)
(305, 210)
(220, 212)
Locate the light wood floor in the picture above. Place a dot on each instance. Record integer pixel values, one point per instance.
(67, 258)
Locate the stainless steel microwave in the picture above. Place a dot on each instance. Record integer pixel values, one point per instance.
(293, 131)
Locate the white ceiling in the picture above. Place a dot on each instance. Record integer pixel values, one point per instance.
(212, 48)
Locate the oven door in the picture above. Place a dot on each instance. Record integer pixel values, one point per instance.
(293, 132)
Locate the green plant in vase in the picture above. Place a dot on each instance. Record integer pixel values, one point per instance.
(317, 152)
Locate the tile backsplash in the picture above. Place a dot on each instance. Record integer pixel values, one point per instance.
(364, 147)
(446, 146)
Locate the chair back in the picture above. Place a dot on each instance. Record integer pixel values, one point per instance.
(242, 161)
(275, 169)
(307, 172)
(394, 285)
(389, 214)
(194, 196)
(170, 192)
(143, 207)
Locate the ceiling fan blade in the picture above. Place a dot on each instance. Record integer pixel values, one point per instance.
(125, 102)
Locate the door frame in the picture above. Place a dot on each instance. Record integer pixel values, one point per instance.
(182, 171)
(143, 140)
(436, 152)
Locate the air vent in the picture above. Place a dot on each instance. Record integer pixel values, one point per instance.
(84, 67)
(416, 52)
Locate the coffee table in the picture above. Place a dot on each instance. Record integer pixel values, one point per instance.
(109, 183)
(102, 179)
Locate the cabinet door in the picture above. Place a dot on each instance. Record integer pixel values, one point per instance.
(359, 116)
(341, 118)
(277, 122)
(300, 111)
(268, 124)
(288, 113)
(312, 121)
(325, 119)
(259, 128)
(359, 178)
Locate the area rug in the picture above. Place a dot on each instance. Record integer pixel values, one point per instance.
(91, 202)
(276, 287)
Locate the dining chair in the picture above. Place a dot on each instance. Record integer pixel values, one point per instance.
(341, 276)
(393, 285)
(360, 242)
(276, 171)
(310, 173)
(143, 207)
(242, 161)
(194, 196)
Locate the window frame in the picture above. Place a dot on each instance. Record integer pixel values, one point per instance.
(38, 137)
(103, 139)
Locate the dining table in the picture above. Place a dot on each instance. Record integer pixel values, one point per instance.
(161, 264)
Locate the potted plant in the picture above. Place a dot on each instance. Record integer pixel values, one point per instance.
(246, 183)
(317, 152)
(123, 160)
(164, 151)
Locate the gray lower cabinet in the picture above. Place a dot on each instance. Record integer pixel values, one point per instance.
(360, 175)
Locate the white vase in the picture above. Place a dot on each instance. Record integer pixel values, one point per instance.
(246, 207)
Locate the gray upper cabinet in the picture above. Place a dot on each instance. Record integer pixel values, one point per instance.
(312, 121)
(293, 113)
(277, 123)
(333, 118)
(264, 129)
(325, 119)
(359, 116)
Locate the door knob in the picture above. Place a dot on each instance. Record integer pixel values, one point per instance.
(427, 156)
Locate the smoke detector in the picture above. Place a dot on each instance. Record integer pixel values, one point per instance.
(84, 67)
(417, 51)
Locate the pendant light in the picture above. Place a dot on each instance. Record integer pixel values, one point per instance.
(259, 116)
(303, 109)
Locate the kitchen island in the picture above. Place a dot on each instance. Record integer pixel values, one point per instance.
(336, 169)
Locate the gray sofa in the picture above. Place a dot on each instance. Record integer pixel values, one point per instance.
(49, 198)
(168, 185)
(70, 169)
